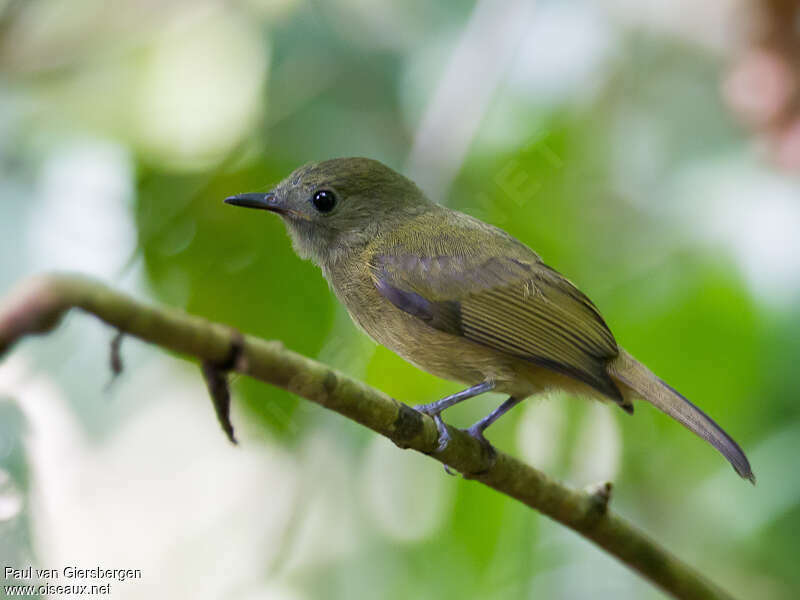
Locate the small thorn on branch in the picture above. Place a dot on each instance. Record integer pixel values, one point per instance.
(216, 378)
(599, 496)
(217, 383)
(115, 358)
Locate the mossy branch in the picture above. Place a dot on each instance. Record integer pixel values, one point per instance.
(37, 305)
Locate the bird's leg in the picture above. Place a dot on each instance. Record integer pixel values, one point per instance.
(478, 428)
(434, 409)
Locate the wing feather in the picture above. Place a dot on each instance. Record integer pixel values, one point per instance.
(509, 301)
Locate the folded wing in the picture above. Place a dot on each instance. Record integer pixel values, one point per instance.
(509, 301)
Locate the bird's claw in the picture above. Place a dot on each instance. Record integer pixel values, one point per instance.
(444, 440)
(444, 435)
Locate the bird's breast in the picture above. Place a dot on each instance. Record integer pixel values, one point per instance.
(442, 354)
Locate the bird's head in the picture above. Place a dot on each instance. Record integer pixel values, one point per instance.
(336, 206)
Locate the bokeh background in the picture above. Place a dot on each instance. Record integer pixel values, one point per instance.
(648, 150)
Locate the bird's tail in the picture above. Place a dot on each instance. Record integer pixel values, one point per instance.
(634, 378)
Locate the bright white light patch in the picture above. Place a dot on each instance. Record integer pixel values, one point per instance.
(563, 53)
(201, 89)
(598, 447)
(752, 211)
(541, 430)
(165, 494)
(81, 220)
(10, 497)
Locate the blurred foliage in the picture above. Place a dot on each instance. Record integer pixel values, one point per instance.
(191, 263)
(589, 179)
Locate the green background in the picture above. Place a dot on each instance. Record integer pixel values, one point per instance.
(604, 145)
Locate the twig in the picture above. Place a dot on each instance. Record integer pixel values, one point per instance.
(37, 305)
(115, 358)
(216, 376)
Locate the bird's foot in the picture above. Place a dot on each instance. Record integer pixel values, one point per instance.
(477, 433)
(432, 411)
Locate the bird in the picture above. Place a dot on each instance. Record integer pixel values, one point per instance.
(462, 299)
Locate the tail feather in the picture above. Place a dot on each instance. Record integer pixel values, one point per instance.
(637, 378)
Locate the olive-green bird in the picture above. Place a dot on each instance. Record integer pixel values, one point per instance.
(462, 299)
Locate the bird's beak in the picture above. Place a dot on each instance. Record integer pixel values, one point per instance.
(266, 201)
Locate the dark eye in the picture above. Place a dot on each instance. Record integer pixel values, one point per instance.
(324, 201)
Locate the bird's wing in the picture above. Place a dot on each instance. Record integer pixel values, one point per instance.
(496, 292)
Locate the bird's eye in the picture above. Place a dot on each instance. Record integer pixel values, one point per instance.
(324, 201)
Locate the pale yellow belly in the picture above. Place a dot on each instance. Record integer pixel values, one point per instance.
(447, 356)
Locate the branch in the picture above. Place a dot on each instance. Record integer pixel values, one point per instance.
(38, 304)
